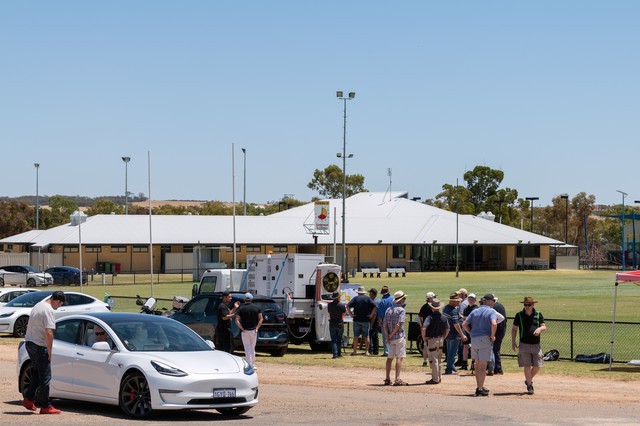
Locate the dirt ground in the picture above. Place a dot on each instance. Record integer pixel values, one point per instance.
(316, 395)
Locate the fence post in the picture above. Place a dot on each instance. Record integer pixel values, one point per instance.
(571, 333)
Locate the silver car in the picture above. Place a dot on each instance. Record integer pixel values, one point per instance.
(23, 276)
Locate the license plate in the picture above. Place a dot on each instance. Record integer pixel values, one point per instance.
(224, 393)
(305, 329)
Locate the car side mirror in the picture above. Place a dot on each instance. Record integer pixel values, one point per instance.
(101, 346)
(211, 344)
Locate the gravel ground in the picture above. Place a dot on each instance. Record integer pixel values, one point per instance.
(315, 395)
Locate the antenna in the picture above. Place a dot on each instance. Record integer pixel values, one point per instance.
(389, 174)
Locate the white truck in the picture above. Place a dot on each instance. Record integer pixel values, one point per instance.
(301, 284)
(219, 280)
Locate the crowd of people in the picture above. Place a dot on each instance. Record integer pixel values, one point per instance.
(465, 328)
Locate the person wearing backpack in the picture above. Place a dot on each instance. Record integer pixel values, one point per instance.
(529, 323)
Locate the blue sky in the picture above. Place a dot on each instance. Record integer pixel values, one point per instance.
(547, 91)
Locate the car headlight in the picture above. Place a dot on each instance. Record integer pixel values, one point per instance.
(167, 370)
(247, 368)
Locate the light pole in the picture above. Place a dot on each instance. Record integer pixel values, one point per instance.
(531, 199)
(126, 189)
(624, 261)
(344, 157)
(244, 190)
(37, 166)
(565, 197)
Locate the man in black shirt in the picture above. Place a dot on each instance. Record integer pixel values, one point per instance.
(362, 310)
(249, 320)
(500, 333)
(435, 329)
(337, 311)
(223, 327)
(425, 311)
(530, 323)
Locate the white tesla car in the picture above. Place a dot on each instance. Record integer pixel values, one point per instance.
(143, 363)
(8, 294)
(14, 316)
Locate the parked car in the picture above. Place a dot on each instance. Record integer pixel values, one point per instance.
(66, 275)
(147, 363)
(8, 294)
(14, 316)
(23, 276)
(200, 314)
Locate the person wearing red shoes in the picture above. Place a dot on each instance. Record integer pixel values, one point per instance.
(39, 344)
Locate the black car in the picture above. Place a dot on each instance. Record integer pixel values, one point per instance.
(66, 275)
(200, 314)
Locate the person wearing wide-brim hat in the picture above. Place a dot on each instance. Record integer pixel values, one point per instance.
(362, 309)
(393, 328)
(434, 330)
(452, 342)
(337, 310)
(528, 324)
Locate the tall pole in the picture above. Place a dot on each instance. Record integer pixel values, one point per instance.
(244, 189)
(624, 260)
(37, 166)
(233, 196)
(344, 179)
(126, 179)
(531, 199)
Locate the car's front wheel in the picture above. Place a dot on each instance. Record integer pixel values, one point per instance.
(135, 396)
(26, 376)
(20, 326)
(237, 411)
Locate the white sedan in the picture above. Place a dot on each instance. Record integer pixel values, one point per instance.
(24, 275)
(14, 316)
(8, 294)
(143, 363)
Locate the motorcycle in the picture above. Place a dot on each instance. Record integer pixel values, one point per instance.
(147, 307)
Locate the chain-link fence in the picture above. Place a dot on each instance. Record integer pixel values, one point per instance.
(574, 337)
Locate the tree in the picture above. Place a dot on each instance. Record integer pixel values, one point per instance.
(60, 208)
(483, 183)
(454, 196)
(104, 207)
(15, 217)
(328, 182)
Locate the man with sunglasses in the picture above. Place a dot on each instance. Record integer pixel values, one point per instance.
(529, 323)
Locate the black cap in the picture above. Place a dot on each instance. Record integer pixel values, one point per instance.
(374, 291)
(488, 296)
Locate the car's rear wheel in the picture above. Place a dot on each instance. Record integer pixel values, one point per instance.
(237, 411)
(26, 376)
(20, 326)
(279, 351)
(31, 282)
(135, 396)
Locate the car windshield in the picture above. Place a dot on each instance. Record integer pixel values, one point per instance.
(157, 336)
(31, 269)
(28, 300)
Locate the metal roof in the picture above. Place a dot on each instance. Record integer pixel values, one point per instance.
(371, 218)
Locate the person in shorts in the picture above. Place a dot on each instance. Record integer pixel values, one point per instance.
(393, 329)
(481, 325)
(362, 309)
(530, 323)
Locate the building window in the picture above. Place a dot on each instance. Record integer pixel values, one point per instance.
(254, 249)
(140, 249)
(280, 249)
(118, 249)
(93, 249)
(70, 249)
(399, 252)
(187, 249)
(529, 251)
(230, 249)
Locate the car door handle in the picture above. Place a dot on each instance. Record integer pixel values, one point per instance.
(79, 354)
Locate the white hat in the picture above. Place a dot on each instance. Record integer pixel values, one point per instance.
(472, 295)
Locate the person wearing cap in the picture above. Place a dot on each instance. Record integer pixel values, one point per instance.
(424, 312)
(435, 329)
(463, 293)
(39, 345)
(374, 341)
(530, 323)
(362, 309)
(386, 302)
(393, 328)
(452, 342)
(249, 319)
(337, 310)
(223, 326)
(481, 324)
